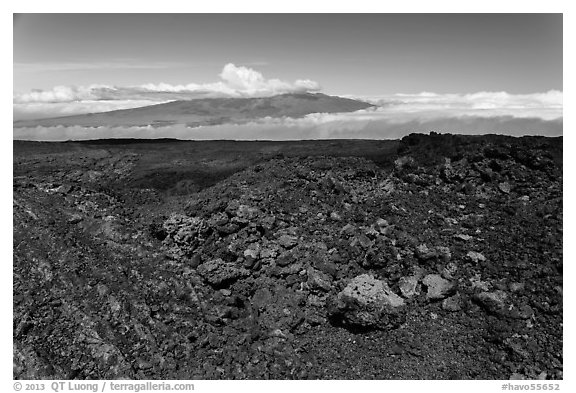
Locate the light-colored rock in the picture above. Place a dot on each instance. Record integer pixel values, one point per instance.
(348, 229)
(74, 218)
(475, 257)
(278, 333)
(226, 292)
(438, 287)
(287, 241)
(504, 187)
(368, 290)
(542, 376)
(253, 251)
(371, 232)
(382, 223)
(404, 162)
(408, 286)
(425, 253)
(270, 251)
(367, 302)
(316, 301)
(387, 186)
(247, 212)
(452, 304)
(494, 302)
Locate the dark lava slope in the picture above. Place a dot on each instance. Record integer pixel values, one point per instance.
(208, 111)
(442, 262)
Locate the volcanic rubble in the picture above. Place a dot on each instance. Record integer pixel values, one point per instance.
(299, 268)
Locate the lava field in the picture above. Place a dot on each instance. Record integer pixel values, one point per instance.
(432, 257)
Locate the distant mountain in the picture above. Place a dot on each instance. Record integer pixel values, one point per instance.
(209, 111)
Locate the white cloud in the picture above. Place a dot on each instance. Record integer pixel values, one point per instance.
(546, 105)
(394, 116)
(397, 115)
(42, 110)
(239, 82)
(248, 82)
(60, 94)
(235, 82)
(318, 126)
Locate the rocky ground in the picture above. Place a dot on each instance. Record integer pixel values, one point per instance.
(438, 258)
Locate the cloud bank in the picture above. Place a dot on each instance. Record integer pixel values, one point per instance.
(394, 116)
(547, 106)
(317, 126)
(235, 81)
(239, 82)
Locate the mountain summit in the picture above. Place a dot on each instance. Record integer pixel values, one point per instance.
(209, 111)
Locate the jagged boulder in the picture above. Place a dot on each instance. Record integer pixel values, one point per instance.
(367, 303)
(220, 274)
(437, 287)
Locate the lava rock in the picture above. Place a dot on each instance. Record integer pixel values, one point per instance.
(404, 163)
(261, 298)
(504, 187)
(318, 280)
(253, 251)
(335, 216)
(326, 266)
(453, 303)
(247, 212)
(408, 286)
(494, 302)
(516, 286)
(443, 253)
(438, 287)
(221, 274)
(475, 257)
(285, 259)
(362, 240)
(424, 253)
(522, 312)
(287, 241)
(75, 218)
(367, 303)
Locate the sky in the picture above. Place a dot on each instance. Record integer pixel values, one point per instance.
(77, 63)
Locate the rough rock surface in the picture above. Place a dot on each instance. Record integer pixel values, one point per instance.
(408, 286)
(219, 273)
(475, 256)
(367, 302)
(230, 260)
(437, 287)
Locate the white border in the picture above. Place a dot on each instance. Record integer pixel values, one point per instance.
(230, 6)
